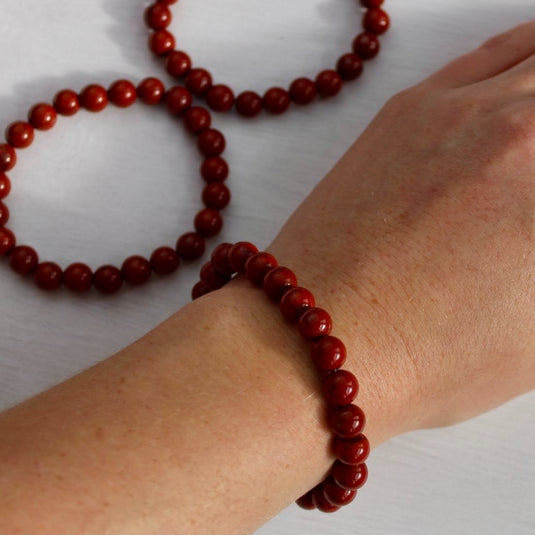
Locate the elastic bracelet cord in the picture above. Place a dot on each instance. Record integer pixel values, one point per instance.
(340, 387)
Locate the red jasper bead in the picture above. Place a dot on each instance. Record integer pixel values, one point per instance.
(216, 196)
(200, 289)
(258, 266)
(197, 119)
(328, 83)
(19, 134)
(249, 104)
(7, 241)
(295, 303)
(158, 16)
(303, 91)
(306, 501)
(78, 277)
(220, 259)
(315, 322)
(190, 246)
(351, 451)
(198, 81)
(349, 66)
(161, 42)
(42, 116)
(211, 142)
(340, 387)
(94, 98)
(48, 276)
(164, 261)
(220, 97)
(151, 91)
(349, 476)
(178, 99)
(122, 93)
(208, 222)
(8, 157)
(347, 421)
(136, 270)
(4, 214)
(168, 2)
(371, 3)
(5, 186)
(107, 279)
(23, 259)
(238, 255)
(66, 102)
(178, 63)
(366, 45)
(213, 278)
(337, 495)
(276, 100)
(214, 169)
(376, 20)
(278, 281)
(321, 502)
(328, 353)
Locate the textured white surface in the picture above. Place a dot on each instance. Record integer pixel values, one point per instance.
(98, 188)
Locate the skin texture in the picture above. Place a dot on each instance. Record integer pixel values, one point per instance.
(419, 242)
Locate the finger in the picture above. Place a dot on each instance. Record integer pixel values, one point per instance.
(493, 57)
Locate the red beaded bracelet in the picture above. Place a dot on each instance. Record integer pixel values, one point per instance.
(302, 91)
(136, 269)
(340, 387)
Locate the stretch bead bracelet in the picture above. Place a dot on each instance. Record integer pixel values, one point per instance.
(135, 270)
(276, 100)
(340, 387)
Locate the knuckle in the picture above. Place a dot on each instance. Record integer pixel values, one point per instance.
(516, 125)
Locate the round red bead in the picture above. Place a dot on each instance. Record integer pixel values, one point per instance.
(164, 261)
(328, 353)
(198, 81)
(78, 277)
(151, 91)
(337, 495)
(200, 289)
(278, 281)
(211, 142)
(190, 246)
(122, 93)
(303, 91)
(66, 102)
(249, 104)
(328, 83)
(315, 322)
(48, 276)
(208, 222)
(306, 501)
(376, 20)
(178, 99)
(220, 98)
(161, 42)
(23, 259)
(158, 16)
(238, 255)
(213, 278)
(42, 116)
(276, 100)
(168, 1)
(257, 267)
(7, 241)
(220, 259)
(4, 214)
(349, 66)
(347, 421)
(216, 196)
(8, 157)
(136, 270)
(295, 303)
(197, 119)
(178, 63)
(5, 186)
(214, 169)
(351, 451)
(366, 45)
(321, 502)
(19, 134)
(372, 3)
(107, 279)
(94, 98)
(351, 477)
(340, 387)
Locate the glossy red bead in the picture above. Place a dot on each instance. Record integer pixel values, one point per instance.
(351, 451)
(107, 279)
(306, 501)
(197, 119)
(238, 255)
(48, 276)
(213, 278)
(347, 421)
(321, 502)
(349, 66)
(78, 277)
(372, 3)
(158, 16)
(23, 259)
(136, 270)
(93, 98)
(328, 83)
(315, 322)
(328, 353)
(278, 281)
(42, 116)
(303, 91)
(276, 100)
(220, 259)
(216, 196)
(168, 1)
(211, 142)
(336, 494)
(8, 157)
(66, 102)
(295, 303)
(376, 21)
(366, 45)
(190, 246)
(198, 81)
(19, 134)
(200, 289)
(178, 99)
(164, 261)
(208, 222)
(249, 104)
(351, 477)
(7, 241)
(151, 91)
(4, 214)
(161, 42)
(122, 93)
(177, 63)
(258, 265)
(214, 169)
(220, 98)
(5, 186)
(340, 387)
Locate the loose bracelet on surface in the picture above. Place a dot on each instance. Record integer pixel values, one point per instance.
(136, 269)
(340, 387)
(276, 100)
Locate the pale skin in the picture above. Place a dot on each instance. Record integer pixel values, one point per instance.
(420, 242)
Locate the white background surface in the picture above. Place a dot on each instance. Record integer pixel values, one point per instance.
(98, 188)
